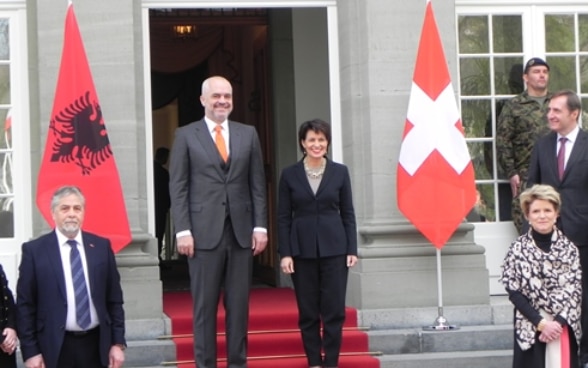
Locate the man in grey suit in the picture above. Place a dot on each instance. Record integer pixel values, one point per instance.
(218, 203)
(560, 159)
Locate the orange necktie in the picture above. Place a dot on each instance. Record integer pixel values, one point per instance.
(220, 142)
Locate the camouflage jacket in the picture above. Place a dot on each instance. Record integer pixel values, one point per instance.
(521, 122)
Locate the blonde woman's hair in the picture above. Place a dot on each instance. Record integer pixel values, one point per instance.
(539, 191)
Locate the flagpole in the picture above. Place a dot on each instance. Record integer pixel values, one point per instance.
(440, 323)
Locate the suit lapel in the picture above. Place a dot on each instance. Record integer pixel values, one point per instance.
(205, 139)
(91, 260)
(327, 175)
(53, 253)
(235, 144)
(550, 154)
(301, 176)
(577, 151)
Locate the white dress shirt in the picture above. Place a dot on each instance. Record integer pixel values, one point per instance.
(65, 249)
(225, 132)
(571, 139)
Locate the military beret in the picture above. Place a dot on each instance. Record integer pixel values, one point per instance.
(535, 62)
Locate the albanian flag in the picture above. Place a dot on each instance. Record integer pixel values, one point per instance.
(77, 151)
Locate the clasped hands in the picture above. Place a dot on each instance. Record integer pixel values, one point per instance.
(10, 341)
(551, 331)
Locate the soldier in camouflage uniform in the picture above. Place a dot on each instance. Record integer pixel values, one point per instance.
(522, 120)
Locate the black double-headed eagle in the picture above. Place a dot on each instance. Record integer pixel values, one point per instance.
(80, 135)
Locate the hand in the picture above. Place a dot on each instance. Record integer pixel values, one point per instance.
(116, 357)
(287, 265)
(258, 242)
(185, 245)
(351, 261)
(515, 182)
(35, 362)
(551, 331)
(10, 340)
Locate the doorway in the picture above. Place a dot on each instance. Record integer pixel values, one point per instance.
(189, 45)
(283, 64)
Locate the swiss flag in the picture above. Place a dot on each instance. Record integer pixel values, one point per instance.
(436, 187)
(77, 151)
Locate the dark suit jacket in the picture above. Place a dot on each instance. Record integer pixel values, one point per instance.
(7, 308)
(204, 189)
(162, 201)
(321, 225)
(7, 318)
(42, 301)
(573, 189)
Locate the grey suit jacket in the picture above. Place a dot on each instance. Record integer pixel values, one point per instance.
(204, 190)
(573, 188)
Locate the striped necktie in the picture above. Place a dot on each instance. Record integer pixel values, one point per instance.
(82, 296)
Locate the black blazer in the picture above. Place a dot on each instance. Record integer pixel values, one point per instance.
(7, 308)
(321, 225)
(42, 302)
(573, 188)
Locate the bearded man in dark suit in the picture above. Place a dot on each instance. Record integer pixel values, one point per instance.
(53, 328)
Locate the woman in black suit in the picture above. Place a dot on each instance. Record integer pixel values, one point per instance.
(7, 324)
(318, 241)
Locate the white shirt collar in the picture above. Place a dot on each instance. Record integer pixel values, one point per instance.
(211, 125)
(62, 239)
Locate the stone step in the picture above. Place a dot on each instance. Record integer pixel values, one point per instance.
(486, 346)
(146, 353)
(469, 359)
(141, 353)
(417, 341)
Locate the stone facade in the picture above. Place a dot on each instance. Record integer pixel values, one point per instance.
(377, 48)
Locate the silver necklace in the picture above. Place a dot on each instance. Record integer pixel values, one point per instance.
(315, 172)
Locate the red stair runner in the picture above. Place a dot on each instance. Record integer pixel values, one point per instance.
(274, 339)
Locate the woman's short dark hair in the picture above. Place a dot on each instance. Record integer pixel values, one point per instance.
(317, 126)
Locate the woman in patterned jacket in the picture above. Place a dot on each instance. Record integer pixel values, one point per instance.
(542, 275)
(8, 339)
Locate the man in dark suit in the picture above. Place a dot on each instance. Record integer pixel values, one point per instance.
(161, 191)
(566, 169)
(69, 299)
(218, 196)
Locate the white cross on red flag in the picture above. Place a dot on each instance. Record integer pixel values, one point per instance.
(435, 179)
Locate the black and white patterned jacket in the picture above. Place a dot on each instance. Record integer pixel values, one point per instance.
(551, 281)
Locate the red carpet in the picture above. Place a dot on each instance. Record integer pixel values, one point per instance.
(274, 338)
